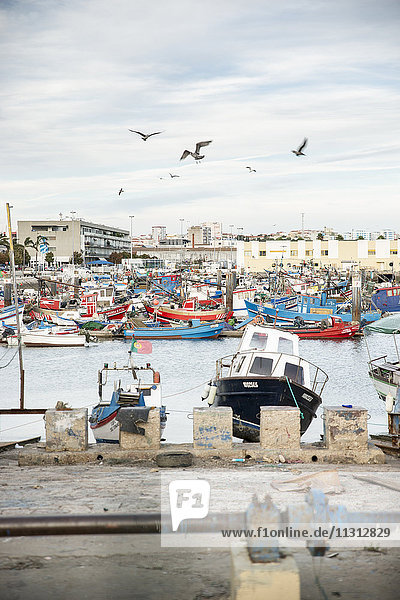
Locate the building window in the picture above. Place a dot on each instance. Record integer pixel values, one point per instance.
(393, 252)
(324, 252)
(309, 252)
(371, 252)
(247, 253)
(263, 253)
(293, 253)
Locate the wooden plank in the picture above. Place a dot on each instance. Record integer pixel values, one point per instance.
(11, 445)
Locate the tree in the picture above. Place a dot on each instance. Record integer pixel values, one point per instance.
(339, 237)
(78, 258)
(21, 256)
(4, 242)
(360, 237)
(49, 258)
(320, 236)
(381, 237)
(30, 243)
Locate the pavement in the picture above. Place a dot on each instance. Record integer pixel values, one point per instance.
(138, 566)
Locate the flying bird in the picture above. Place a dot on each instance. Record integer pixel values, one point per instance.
(172, 175)
(196, 154)
(251, 170)
(120, 192)
(299, 151)
(145, 136)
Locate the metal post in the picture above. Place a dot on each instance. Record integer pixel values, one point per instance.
(131, 217)
(356, 297)
(12, 261)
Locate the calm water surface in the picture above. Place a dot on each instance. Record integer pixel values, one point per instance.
(70, 375)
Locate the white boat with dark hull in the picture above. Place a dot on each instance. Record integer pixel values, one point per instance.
(385, 373)
(266, 371)
(141, 394)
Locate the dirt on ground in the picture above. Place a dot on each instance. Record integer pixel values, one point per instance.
(137, 566)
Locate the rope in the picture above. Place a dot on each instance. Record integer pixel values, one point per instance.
(185, 391)
(11, 359)
(294, 397)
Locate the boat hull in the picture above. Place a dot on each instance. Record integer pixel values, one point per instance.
(181, 314)
(287, 317)
(246, 396)
(176, 333)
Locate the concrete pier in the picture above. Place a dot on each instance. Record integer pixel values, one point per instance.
(280, 427)
(138, 434)
(345, 428)
(261, 581)
(66, 430)
(212, 427)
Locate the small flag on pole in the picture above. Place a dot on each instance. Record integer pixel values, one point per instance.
(142, 347)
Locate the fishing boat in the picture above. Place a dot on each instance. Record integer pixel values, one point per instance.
(168, 312)
(267, 370)
(386, 298)
(309, 309)
(385, 373)
(50, 337)
(8, 315)
(331, 328)
(142, 393)
(194, 331)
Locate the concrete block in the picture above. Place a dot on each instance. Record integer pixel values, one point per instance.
(280, 427)
(345, 428)
(212, 427)
(151, 437)
(66, 430)
(260, 581)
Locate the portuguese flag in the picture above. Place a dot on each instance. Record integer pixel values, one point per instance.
(141, 347)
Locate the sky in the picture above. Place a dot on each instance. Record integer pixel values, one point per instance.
(256, 78)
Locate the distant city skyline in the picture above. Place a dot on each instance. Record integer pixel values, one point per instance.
(256, 79)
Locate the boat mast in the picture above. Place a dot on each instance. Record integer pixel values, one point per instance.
(14, 279)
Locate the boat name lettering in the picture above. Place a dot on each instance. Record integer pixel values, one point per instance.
(250, 384)
(307, 397)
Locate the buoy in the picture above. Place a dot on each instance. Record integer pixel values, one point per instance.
(156, 377)
(389, 402)
(206, 391)
(155, 302)
(211, 395)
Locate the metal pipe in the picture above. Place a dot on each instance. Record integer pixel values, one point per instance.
(80, 525)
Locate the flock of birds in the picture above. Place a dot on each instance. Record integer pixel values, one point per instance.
(196, 152)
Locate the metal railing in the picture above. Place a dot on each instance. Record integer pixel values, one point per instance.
(318, 378)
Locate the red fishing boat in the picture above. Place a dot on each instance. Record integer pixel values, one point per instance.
(189, 311)
(331, 328)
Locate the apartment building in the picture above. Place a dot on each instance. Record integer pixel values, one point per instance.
(66, 236)
(381, 255)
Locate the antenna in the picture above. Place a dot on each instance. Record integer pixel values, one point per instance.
(302, 224)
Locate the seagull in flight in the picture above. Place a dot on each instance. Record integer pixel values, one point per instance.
(120, 192)
(145, 136)
(172, 175)
(196, 154)
(251, 170)
(299, 151)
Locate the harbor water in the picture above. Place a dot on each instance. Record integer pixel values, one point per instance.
(70, 375)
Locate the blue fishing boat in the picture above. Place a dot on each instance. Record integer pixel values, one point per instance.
(310, 309)
(178, 332)
(387, 299)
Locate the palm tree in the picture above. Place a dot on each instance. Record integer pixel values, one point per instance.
(29, 243)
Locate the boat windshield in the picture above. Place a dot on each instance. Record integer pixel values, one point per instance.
(295, 373)
(261, 366)
(285, 346)
(259, 340)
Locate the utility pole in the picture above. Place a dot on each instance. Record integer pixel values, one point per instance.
(131, 217)
(14, 278)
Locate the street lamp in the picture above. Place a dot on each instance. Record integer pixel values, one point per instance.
(231, 227)
(182, 221)
(73, 212)
(131, 217)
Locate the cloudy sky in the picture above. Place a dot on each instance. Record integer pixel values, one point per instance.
(254, 77)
